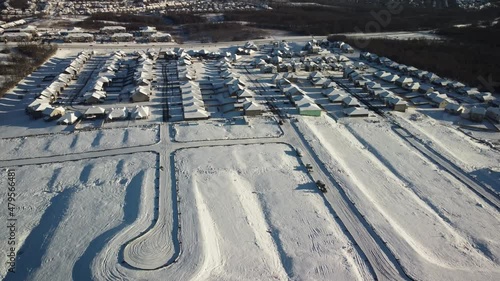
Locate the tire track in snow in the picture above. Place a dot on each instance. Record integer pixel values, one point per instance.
(212, 260)
(384, 165)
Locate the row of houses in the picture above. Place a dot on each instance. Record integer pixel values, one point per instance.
(12, 24)
(192, 101)
(112, 114)
(52, 7)
(41, 106)
(144, 76)
(305, 105)
(95, 89)
(427, 81)
(235, 90)
(120, 34)
(344, 47)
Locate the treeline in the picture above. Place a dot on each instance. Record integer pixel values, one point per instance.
(465, 61)
(319, 20)
(19, 4)
(216, 32)
(476, 33)
(23, 61)
(130, 21)
(134, 22)
(185, 18)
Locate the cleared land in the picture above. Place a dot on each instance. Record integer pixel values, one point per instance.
(420, 211)
(84, 141)
(225, 129)
(254, 196)
(55, 200)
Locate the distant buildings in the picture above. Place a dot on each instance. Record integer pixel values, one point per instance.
(112, 29)
(122, 37)
(16, 37)
(79, 37)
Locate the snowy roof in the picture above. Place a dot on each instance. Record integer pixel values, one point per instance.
(69, 118)
(196, 114)
(141, 112)
(94, 110)
(253, 106)
(350, 101)
(118, 113)
(356, 111)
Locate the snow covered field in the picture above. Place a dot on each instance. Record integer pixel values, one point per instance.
(67, 212)
(260, 127)
(422, 212)
(83, 141)
(254, 198)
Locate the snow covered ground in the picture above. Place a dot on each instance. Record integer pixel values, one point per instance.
(423, 213)
(67, 211)
(476, 158)
(260, 127)
(83, 141)
(255, 198)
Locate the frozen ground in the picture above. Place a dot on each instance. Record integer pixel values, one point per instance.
(255, 198)
(68, 211)
(248, 213)
(423, 213)
(476, 158)
(259, 127)
(83, 141)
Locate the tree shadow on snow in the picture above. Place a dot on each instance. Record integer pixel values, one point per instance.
(82, 268)
(30, 255)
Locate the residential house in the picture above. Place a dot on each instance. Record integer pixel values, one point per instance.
(477, 113)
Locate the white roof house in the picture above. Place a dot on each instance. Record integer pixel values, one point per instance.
(141, 94)
(16, 37)
(350, 102)
(113, 29)
(79, 37)
(94, 112)
(309, 108)
(337, 98)
(356, 112)
(53, 113)
(246, 93)
(147, 30)
(252, 108)
(391, 78)
(141, 112)
(122, 37)
(118, 114)
(69, 118)
(196, 114)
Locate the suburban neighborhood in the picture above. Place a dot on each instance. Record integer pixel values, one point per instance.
(130, 153)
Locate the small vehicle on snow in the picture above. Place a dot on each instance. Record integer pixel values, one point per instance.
(309, 167)
(321, 186)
